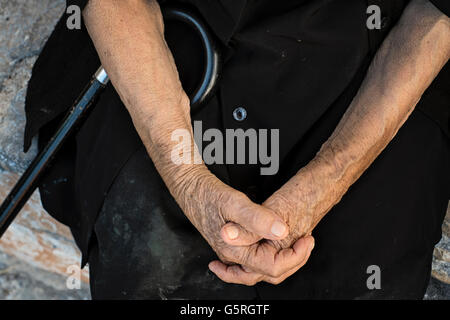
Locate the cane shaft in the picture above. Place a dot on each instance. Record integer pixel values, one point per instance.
(30, 179)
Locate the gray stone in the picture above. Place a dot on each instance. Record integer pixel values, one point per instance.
(12, 119)
(25, 25)
(21, 281)
(441, 258)
(437, 290)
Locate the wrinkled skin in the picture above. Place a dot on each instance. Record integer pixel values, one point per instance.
(158, 106)
(213, 204)
(153, 95)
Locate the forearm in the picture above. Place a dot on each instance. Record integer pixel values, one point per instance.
(129, 38)
(405, 65)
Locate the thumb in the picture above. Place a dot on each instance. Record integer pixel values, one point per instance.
(256, 219)
(233, 234)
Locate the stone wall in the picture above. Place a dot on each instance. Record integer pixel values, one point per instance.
(441, 259)
(36, 251)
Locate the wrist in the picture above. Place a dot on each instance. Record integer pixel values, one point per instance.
(314, 190)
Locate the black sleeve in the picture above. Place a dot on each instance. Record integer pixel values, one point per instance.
(443, 5)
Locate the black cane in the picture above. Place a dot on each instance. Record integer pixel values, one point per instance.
(29, 181)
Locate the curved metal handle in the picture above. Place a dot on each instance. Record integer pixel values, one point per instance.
(212, 57)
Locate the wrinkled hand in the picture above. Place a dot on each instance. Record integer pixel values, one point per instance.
(298, 206)
(210, 204)
(148, 84)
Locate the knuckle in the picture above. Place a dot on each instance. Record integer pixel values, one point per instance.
(254, 281)
(275, 271)
(275, 274)
(274, 281)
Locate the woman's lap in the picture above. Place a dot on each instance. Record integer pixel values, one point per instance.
(146, 249)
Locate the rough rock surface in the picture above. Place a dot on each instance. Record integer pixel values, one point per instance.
(441, 259)
(24, 27)
(36, 251)
(22, 281)
(37, 239)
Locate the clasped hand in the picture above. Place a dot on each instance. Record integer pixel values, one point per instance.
(254, 243)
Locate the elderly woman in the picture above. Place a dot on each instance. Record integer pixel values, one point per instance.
(361, 110)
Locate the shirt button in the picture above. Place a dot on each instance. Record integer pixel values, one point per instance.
(239, 114)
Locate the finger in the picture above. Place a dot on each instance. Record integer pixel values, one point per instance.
(242, 275)
(286, 275)
(238, 275)
(264, 258)
(233, 234)
(257, 219)
(234, 274)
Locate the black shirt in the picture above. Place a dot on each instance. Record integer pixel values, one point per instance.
(58, 78)
(294, 65)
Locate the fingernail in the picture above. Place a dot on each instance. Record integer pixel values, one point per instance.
(278, 228)
(232, 232)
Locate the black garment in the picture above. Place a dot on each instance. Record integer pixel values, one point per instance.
(294, 65)
(288, 63)
(391, 217)
(147, 248)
